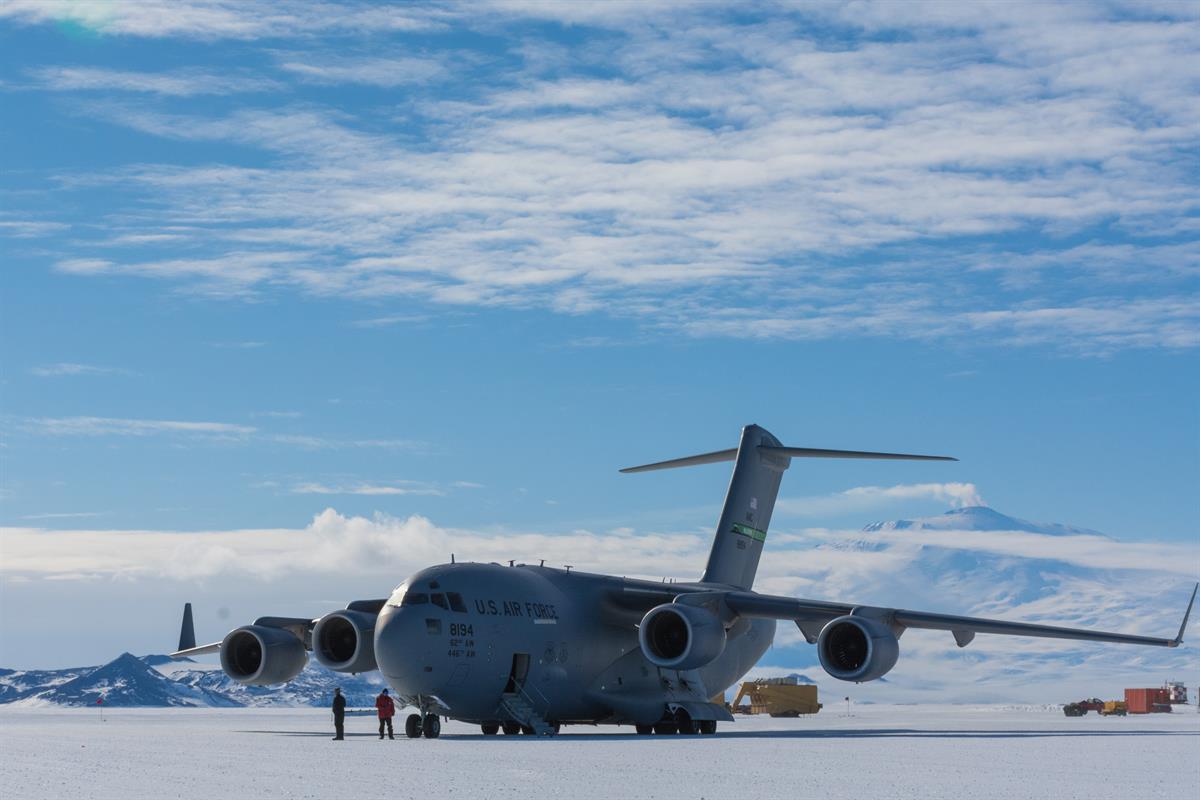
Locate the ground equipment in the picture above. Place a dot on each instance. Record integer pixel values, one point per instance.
(1148, 701)
(778, 697)
(1083, 707)
(1114, 708)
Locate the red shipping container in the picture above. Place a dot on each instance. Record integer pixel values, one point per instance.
(1142, 701)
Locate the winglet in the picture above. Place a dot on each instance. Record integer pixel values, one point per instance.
(187, 633)
(1178, 640)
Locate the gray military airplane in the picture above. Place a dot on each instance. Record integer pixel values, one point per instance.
(525, 648)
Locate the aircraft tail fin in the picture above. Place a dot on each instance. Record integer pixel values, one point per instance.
(187, 632)
(760, 460)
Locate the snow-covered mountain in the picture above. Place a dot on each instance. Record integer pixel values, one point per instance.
(19, 684)
(979, 518)
(126, 681)
(157, 680)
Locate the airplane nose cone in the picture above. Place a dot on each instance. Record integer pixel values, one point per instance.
(401, 651)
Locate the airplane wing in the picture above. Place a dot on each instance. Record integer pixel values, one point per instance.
(811, 615)
(301, 627)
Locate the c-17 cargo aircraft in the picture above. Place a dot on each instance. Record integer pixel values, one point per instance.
(526, 649)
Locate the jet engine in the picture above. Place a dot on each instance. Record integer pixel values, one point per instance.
(344, 641)
(260, 656)
(857, 648)
(676, 636)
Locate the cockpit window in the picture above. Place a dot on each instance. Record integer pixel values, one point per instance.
(456, 602)
(438, 600)
(414, 599)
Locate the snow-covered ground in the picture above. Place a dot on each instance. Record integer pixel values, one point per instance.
(880, 751)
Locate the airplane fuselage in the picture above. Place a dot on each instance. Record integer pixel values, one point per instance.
(469, 634)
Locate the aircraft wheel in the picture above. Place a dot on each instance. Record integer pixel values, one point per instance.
(510, 728)
(708, 726)
(644, 730)
(665, 728)
(683, 721)
(527, 730)
(431, 726)
(412, 726)
(556, 727)
(490, 728)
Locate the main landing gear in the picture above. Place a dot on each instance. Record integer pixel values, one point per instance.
(429, 726)
(681, 722)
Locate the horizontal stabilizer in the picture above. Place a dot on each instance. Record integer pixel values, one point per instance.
(789, 452)
(810, 452)
(202, 650)
(688, 461)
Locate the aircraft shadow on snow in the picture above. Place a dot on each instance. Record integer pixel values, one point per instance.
(866, 733)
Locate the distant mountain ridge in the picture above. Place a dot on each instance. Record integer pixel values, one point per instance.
(979, 518)
(159, 681)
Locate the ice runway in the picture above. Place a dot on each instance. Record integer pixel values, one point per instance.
(925, 752)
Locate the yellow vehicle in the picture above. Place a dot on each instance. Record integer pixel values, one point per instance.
(779, 697)
(1114, 708)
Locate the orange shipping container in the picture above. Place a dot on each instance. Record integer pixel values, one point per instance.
(1142, 701)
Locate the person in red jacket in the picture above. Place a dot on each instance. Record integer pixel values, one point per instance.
(387, 710)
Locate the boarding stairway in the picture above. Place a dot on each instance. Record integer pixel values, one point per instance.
(520, 709)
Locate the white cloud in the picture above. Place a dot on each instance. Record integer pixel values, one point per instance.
(861, 498)
(399, 488)
(219, 19)
(180, 83)
(386, 72)
(329, 443)
(331, 542)
(394, 319)
(69, 368)
(111, 426)
(865, 182)
(216, 431)
(65, 515)
(388, 543)
(30, 229)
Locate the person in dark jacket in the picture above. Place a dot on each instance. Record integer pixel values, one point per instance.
(387, 710)
(339, 715)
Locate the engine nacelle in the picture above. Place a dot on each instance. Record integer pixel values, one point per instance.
(344, 641)
(260, 656)
(676, 636)
(857, 648)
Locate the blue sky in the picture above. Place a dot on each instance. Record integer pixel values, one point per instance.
(464, 261)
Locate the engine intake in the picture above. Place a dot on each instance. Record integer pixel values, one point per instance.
(260, 656)
(344, 641)
(675, 636)
(857, 648)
